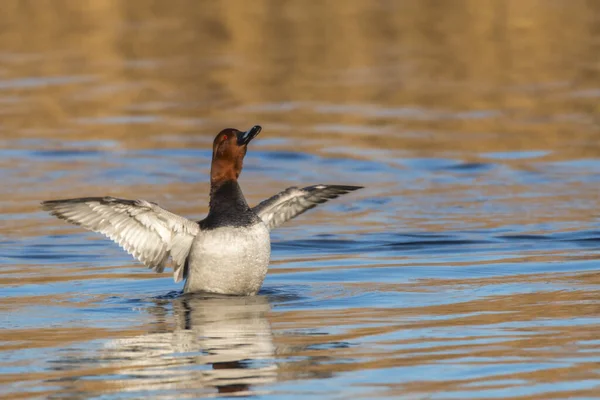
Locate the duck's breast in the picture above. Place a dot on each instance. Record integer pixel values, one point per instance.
(229, 260)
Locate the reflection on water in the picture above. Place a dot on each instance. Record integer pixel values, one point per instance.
(223, 343)
(198, 343)
(466, 269)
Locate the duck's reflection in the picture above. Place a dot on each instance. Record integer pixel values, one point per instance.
(217, 342)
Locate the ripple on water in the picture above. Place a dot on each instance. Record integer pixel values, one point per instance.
(467, 267)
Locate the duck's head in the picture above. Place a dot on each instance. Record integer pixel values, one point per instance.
(229, 149)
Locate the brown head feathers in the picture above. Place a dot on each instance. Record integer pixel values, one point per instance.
(229, 149)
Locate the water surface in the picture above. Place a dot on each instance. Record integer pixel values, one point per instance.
(467, 267)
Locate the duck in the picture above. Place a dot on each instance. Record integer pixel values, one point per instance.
(229, 251)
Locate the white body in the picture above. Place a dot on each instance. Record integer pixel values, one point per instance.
(229, 260)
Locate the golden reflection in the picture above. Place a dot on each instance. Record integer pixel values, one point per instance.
(513, 74)
(457, 79)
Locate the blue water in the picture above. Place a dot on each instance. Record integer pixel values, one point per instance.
(466, 267)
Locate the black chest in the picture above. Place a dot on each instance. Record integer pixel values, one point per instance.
(228, 207)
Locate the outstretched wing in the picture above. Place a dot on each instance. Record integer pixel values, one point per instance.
(146, 231)
(293, 202)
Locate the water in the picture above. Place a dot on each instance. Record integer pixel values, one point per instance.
(467, 267)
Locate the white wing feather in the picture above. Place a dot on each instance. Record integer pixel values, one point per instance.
(149, 233)
(293, 202)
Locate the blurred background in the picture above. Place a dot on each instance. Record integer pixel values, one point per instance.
(464, 269)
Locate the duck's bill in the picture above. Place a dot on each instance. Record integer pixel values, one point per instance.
(245, 137)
